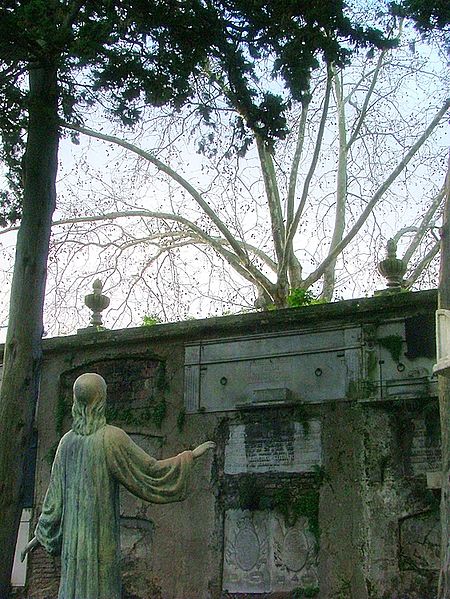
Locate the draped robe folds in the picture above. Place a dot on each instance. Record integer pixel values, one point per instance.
(80, 514)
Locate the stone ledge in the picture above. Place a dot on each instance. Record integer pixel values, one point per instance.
(354, 310)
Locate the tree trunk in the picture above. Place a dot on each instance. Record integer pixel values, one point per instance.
(329, 276)
(444, 405)
(22, 359)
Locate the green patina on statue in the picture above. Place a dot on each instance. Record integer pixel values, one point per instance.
(80, 514)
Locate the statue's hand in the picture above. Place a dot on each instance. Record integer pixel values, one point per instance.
(200, 450)
(31, 546)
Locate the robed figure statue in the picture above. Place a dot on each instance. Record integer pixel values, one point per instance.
(80, 514)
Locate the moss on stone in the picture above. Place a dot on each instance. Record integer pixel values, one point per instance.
(251, 495)
(50, 455)
(303, 592)
(181, 420)
(394, 345)
(62, 410)
(372, 365)
(292, 506)
(353, 390)
(301, 415)
(162, 383)
(152, 414)
(158, 412)
(368, 388)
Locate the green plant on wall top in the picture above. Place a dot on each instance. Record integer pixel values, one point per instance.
(298, 298)
(302, 297)
(150, 320)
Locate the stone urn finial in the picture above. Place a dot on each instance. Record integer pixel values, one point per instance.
(97, 302)
(392, 268)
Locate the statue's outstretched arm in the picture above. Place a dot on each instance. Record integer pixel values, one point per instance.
(31, 546)
(201, 449)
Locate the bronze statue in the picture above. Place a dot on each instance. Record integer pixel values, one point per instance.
(80, 514)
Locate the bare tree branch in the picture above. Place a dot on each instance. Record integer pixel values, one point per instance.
(294, 225)
(341, 189)
(201, 236)
(421, 230)
(273, 195)
(365, 105)
(295, 270)
(295, 163)
(314, 276)
(423, 264)
(196, 195)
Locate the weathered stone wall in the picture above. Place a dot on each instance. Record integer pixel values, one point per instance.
(327, 431)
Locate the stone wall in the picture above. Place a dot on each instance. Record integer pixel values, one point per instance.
(327, 433)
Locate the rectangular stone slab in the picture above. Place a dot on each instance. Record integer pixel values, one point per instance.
(262, 447)
(264, 555)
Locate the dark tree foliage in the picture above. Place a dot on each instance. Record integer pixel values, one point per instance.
(427, 14)
(130, 53)
(135, 52)
(57, 59)
(292, 35)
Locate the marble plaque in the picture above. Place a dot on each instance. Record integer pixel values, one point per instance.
(425, 450)
(273, 447)
(263, 555)
(314, 365)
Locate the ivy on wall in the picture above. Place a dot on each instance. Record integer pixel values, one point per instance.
(288, 500)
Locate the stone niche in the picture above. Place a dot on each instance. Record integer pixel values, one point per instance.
(133, 384)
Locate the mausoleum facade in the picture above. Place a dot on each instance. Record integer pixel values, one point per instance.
(326, 477)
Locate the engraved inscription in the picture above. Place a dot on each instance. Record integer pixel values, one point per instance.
(425, 449)
(286, 447)
(295, 549)
(246, 556)
(264, 555)
(247, 548)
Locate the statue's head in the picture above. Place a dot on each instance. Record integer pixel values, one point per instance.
(89, 399)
